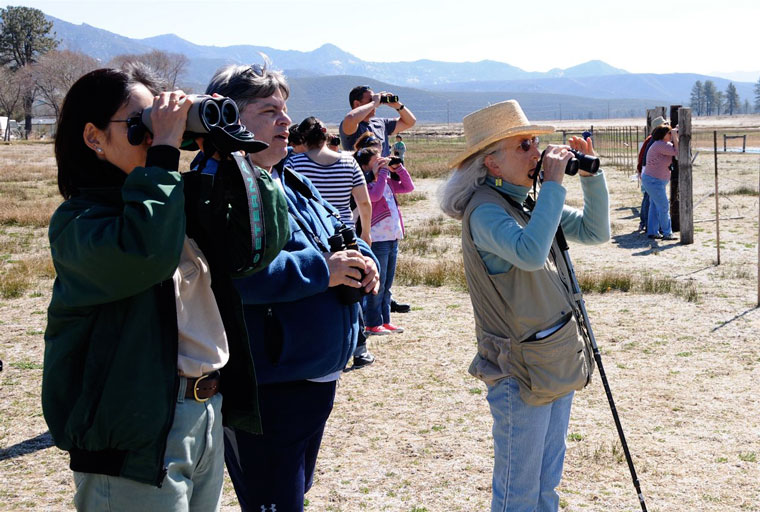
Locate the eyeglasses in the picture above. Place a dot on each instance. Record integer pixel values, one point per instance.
(526, 144)
(136, 130)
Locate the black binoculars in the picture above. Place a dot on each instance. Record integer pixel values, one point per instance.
(389, 98)
(580, 161)
(217, 119)
(345, 239)
(205, 113)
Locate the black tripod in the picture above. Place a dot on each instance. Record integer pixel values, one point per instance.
(585, 327)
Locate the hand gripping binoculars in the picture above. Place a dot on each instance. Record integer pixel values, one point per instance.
(580, 161)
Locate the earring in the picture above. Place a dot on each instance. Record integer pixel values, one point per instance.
(498, 182)
(99, 150)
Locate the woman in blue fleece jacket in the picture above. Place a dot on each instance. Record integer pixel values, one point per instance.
(301, 334)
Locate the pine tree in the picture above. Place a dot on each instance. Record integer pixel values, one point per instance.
(710, 93)
(23, 38)
(698, 98)
(732, 99)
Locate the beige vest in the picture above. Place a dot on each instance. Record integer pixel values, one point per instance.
(512, 307)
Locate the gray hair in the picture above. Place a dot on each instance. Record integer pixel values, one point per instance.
(245, 84)
(456, 192)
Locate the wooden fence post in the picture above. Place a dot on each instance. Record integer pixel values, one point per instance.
(685, 203)
(717, 201)
(675, 209)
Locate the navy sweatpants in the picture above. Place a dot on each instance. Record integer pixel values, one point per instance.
(273, 471)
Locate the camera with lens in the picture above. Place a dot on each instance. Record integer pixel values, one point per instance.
(580, 161)
(389, 98)
(334, 141)
(345, 239)
(216, 119)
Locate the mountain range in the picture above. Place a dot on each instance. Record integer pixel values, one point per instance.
(436, 91)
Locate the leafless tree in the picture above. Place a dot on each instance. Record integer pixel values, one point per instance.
(56, 72)
(11, 95)
(169, 67)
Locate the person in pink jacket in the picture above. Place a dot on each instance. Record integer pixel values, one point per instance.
(385, 179)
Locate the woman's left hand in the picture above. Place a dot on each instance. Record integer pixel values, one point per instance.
(366, 237)
(584, 146)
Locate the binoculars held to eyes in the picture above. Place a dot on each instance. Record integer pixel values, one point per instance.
(205, 113)
(389, 98)
(216, 119)
(580, 161)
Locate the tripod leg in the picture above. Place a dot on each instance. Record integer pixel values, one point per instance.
(585, 327)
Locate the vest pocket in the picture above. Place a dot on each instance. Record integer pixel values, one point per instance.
(552, 367)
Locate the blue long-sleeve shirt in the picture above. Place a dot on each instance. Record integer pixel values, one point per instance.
(502, 242)
(297, 326)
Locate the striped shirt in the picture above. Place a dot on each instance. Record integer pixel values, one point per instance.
(334, 182)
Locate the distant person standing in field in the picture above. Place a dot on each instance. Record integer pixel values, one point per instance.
(361, 118)
(655, 179)
(640, 165)
(530, 353)
(399, 148)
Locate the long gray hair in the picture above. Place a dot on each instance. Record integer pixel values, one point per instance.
(456, 192)
(244, 84)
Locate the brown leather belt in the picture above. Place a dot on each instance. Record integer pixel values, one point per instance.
(204, 387)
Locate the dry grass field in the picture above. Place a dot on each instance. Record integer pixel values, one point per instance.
(679, 335)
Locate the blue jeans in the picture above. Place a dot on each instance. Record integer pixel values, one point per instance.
(644, 210)
(194, 460)
(529, 449)
(378, 310)
(659, 206)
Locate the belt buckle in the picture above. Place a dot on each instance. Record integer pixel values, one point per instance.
(195, 389)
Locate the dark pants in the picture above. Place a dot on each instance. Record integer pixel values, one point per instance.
(274, 470)
(644, 211)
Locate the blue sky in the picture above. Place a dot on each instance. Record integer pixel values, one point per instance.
(697, 36)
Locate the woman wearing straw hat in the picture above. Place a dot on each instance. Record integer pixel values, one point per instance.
(530, 354)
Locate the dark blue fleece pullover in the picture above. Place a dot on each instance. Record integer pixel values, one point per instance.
(297, 327)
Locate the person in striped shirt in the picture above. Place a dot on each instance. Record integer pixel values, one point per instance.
(336, 175)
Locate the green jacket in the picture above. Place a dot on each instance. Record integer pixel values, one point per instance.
(110, 378)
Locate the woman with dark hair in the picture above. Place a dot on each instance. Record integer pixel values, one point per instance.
(336, 175)
(385, 180)
(655, 178)
(136, 332)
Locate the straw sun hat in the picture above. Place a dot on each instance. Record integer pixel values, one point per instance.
(494, 123)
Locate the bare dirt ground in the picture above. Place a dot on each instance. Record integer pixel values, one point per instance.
(411, 433)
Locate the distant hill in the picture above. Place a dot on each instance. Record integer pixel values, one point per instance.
(326, 97)
(674, 87)
(435, 91)
(326, 60)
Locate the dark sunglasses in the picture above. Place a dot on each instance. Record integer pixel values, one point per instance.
(136, 130)
(528, 143)
(256, 69)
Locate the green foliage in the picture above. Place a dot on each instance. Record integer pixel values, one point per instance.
(24, 36)
(732, 99)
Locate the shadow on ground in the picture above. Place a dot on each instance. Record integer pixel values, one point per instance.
(647, 246)
(41, 442)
